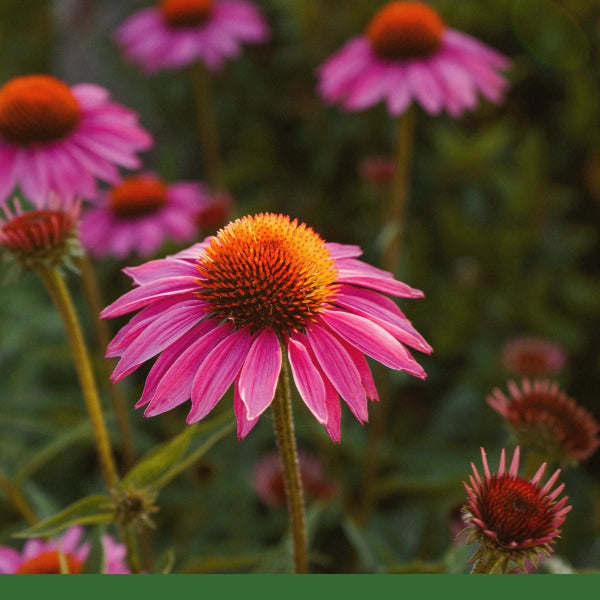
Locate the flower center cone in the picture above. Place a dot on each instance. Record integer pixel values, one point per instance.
(405, 30)
(49, 563)
(137, 196)
(37, 109)
(266, 271)
(186, 13)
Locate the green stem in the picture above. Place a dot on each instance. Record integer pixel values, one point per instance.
(60, 295)
(533, 462)
(286, 443)
(395, 222)
(396, 214)
(93, 295)
(208, 127)
(486, 564)
(15, 496)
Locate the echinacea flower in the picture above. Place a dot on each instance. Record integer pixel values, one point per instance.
(225, 310)
(42, 236)
(269, 482)
(176, 33)
(512, 518)
(530, 356)
(542, 417)
(59, 138)
(408, 53)
(138, 214)
(51, 557)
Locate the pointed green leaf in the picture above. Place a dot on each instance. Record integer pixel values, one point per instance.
(87, 511)
(166, 461)
(95, 561)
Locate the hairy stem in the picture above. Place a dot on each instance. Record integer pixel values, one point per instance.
(286, 443)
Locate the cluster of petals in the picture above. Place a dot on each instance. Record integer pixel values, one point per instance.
(147, 39)
(545, 418)
(104, 231)
(201, 355)
(449, 77)
(105, 136)
(44, 556)
(513, 518)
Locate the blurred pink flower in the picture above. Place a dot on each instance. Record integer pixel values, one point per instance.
(138, 214)
(269, 483)
(378, 170)
(56, 138)
(543, 418)
(175, 33)
(530, 356)
(43, 557)
(223, 312)
(407, 52)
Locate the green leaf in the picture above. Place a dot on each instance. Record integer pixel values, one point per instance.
(162, 464)
(165, 562)
(90, 510)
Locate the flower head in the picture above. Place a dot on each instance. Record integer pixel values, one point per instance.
(530, 356)
(51, 557)
(512, 518)
(269, 481)
(176, 33)
(57, 138)
(544, 418)
(139, 213)
(223, 312)
(407, 52)
(44, 236)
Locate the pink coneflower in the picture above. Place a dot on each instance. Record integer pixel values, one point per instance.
(223, 311)
(216, 212)
(176, 33)
(139, 213)
(531, 356)
(512, 518)
(46, 235)
(407, 52)
(269, 482)
(44, 557)
(541, 416)
(56, 138)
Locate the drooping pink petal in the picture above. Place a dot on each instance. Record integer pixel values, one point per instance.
(216, 373)
(260, 373)
(244, 425)
(339, 368)
(373, 340)
(307, 378)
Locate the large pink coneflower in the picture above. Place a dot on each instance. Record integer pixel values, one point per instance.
(542, 417)
(50, 557)
(408, 53)
(141, 212)
(59, 138)
(512, 518)
(225, 311)
(175, 33)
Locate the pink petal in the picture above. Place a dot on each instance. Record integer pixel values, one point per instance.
(260, 373)
(244, 425)
(216, 373)
(339, 368)
(176, 377)
(307, 379)
(373, 340)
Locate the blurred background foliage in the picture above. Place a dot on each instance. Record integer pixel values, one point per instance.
(502, 235)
